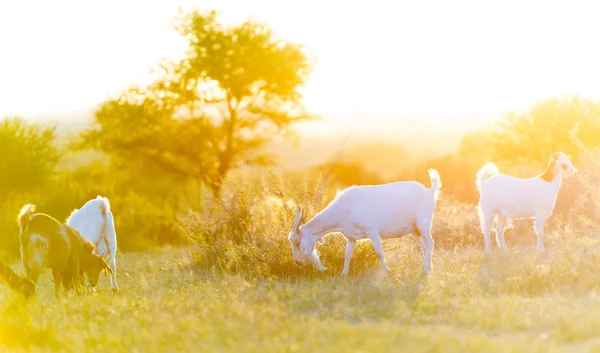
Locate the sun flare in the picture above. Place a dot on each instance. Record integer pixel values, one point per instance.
(433, 61)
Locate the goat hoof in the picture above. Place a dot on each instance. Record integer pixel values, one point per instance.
(115, 290)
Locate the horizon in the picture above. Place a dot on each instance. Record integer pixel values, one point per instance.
(456, 77)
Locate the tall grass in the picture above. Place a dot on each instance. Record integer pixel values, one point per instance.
(237, 287)
(247, 232)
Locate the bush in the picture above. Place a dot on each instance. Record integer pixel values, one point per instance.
(142, 220)
(29, 156)
(247, 232)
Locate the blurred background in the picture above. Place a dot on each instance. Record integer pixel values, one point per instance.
(196, 119)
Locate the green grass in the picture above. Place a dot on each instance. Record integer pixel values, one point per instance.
(519, 302)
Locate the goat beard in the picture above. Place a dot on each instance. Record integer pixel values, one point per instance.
(316, 261)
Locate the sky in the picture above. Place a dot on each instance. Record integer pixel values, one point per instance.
(378, 61)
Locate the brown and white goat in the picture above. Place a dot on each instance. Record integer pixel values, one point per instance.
(506, 197)
(46, 243)
(16, 283)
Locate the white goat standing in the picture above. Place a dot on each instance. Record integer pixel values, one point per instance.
(96, 224)
(371, 212)
(508, 197)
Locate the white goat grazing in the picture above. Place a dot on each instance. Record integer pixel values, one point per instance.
(371, 212)
(508, 197)
(96, 224)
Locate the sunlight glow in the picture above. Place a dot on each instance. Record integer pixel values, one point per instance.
(434, 60)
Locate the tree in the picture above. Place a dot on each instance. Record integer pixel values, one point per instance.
(236, 89)
(545, 129)
(29, 155)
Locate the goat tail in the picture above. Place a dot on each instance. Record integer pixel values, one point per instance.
(436, 183)
(483, 174)
(25, 215)
(110, 234)
(104, 205)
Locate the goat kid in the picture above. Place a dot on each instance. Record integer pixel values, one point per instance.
(507, 197)
(372, 212)
(46, 243)
(95, 222)
(16, 283)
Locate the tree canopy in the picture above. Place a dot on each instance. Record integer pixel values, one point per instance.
(545, 129)
(236, 89)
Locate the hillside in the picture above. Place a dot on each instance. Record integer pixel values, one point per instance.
(379, 145)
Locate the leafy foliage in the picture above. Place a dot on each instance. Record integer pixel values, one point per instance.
(214, 110)
(544, 129)
(29, 155)
(520, 144)
(347, 174)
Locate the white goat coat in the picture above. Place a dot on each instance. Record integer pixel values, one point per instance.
(94, 220)
(513, 197)
(393, 209)
(507, 197)
(373, 212)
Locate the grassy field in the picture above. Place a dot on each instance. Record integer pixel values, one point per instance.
(523, 301)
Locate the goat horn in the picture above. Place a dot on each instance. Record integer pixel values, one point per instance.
(298, 218)
(108, 268)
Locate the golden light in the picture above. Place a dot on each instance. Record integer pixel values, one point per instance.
(433, 61)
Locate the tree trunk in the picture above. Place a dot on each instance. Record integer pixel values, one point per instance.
(226, 155)
(215, 189)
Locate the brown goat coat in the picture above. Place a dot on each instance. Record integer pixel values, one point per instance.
(550, 173)
(68, 252)
(16, 283)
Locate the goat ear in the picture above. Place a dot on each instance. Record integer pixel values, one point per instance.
(104, 265)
